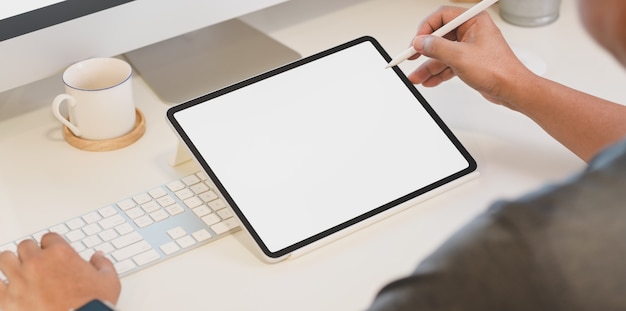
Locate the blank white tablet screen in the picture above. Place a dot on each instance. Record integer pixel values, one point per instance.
(320, 144)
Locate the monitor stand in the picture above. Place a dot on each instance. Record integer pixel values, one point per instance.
(197, 63)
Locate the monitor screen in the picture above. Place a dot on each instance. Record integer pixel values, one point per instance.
(40, 38)
(21, 17)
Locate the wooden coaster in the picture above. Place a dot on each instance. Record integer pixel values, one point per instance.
(108, 144)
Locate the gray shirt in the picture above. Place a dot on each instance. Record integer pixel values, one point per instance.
(561, 248)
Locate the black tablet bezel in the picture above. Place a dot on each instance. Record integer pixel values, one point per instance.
(472, 166)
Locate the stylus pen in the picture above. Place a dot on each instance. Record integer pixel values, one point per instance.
(445, 29)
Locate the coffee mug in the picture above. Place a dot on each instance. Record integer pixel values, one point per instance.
(99, 99)
(530, 13)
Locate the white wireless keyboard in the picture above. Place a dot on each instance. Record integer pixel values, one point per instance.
(149, 227)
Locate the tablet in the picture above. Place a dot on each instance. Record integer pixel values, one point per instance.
(320, 147)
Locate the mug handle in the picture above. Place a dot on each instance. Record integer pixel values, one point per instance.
(56, 105)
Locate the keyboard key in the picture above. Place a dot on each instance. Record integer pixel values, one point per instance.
(159, 215)
(169, 248)
(60, 229)
(176, 185)
(166, 200)
(201, 235)
(202, 175)
(126, 204)
(142, 198)
(108, 235)
(190, 180)
(184, 194)
(92, 241)
(150, 207)
(124, 266)
(143, 221)
(92, 217)
(124, 229)
(146, 257)
(202, 210)
(217, 205)
(92, 229)
(157, 192)
(225, 226)
(176, 233)
(75, 235)
(225, 213)
(199, 188)
(131, 250)
(186, 241)
(208, 196)
(174, 209)
(105, 247)
(193, 202)
(108, 211)
(111, 221)
(135, 212)
(75, 223)
(211, 219)
(126, 240)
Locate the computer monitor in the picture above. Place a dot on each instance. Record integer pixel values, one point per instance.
(40, 38)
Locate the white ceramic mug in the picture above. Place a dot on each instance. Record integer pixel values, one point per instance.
(99, 98)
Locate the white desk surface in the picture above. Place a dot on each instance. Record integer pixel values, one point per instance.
(43, 180)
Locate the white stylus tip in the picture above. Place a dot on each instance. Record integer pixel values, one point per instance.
(402, 57)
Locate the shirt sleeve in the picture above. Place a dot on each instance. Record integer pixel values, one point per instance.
(485, 266)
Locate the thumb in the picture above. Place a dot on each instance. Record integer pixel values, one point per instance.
(441, 49)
